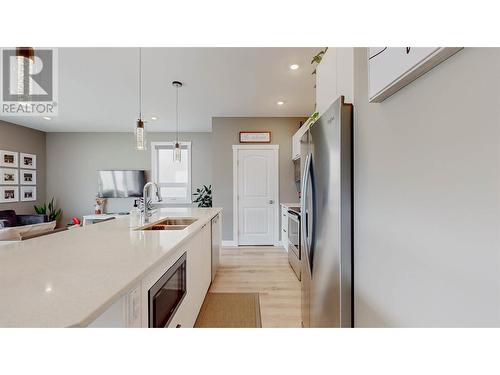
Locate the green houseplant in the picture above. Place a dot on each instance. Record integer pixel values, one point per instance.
(50, 210)
(318, 57)
(203, 196)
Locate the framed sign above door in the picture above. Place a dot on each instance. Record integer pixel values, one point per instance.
(255, 137)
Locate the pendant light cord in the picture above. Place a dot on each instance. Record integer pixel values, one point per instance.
(140, 83)
(177, 113)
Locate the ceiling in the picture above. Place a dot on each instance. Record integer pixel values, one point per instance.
(98, 87)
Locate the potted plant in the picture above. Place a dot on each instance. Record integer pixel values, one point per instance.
(203, 196)
(50, 210)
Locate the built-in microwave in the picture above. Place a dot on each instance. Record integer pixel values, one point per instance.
(166, 295)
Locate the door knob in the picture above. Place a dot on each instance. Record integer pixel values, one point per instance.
(271, 201)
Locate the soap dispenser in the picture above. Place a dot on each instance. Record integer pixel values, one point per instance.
(135, 216)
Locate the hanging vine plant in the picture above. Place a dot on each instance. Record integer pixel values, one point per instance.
(317, 58)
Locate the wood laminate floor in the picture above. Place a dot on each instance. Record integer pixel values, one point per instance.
(263, 270)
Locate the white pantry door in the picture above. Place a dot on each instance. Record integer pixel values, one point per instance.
(257, 196)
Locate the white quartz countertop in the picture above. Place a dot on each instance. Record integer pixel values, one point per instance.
(72, 277)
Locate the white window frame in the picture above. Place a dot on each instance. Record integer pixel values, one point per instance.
(154, 171)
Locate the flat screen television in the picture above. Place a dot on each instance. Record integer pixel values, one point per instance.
(121, 184)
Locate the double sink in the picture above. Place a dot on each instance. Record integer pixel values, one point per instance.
(169, 224)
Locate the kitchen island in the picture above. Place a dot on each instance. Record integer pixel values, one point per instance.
(100, 275)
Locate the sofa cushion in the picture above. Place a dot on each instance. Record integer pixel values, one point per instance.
(31, 219)
(10, 217)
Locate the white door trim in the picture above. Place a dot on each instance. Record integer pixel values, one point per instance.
(277, 227)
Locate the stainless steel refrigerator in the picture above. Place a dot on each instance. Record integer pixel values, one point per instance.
(326, 219)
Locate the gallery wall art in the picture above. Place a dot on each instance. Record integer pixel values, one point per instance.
(28, 193)
(27, 161)
(28, 177)
(9, 194)
(9, 159)
(9, 176)
(17, 177)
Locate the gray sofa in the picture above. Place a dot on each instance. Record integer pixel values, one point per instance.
(9, 218)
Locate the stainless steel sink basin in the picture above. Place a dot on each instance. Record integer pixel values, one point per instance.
(178, 221)
(166, 227)
(170, 224)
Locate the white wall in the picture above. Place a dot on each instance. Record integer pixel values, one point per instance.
(427, 196)
(225, 135)
(73, 160)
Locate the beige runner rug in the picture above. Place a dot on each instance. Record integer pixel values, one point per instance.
(229, 310)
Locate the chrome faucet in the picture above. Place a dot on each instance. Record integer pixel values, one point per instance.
(146, 208)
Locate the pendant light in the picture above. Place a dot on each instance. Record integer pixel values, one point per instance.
(177, 148)
(140, 130)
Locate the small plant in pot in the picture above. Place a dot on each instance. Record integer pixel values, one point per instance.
(53, 213)
(203, 196)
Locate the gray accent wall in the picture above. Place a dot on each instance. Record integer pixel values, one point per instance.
(225, 133)
(21, 139)
(427, 197)
(73, 160)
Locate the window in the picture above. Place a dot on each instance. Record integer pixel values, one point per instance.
(173, 178)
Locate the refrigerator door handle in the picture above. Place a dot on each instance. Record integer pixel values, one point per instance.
(303, 208)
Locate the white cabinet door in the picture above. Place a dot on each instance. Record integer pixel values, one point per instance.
(257, 196)
(326, 81)
(114, 317)
(335, 77)
(297, 137)
(216, 244)
(296, 145)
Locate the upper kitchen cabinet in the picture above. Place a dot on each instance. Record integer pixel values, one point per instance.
(296, 140)
(334, 77)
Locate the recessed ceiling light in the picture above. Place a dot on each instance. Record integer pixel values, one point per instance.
(281, 102)
(47, 118)
(154, 118)
(294, 66)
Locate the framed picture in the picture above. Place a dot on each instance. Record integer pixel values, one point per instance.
(28, 161)
(9, 176)
(255, 137)
(28, 193)
(28, 177)
(9, 159)
(392, 68)
(9, 194)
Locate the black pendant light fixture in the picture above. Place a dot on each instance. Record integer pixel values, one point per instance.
(140, 130)
(177, 148)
